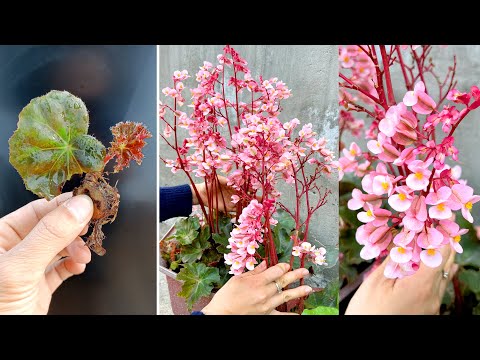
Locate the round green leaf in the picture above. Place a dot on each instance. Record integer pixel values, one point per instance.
(51, 143)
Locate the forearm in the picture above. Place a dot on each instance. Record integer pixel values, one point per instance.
(175, 201)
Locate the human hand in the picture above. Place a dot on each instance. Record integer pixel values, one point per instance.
(222, 193)
(255, 292)
(421, 293)
(40, 248)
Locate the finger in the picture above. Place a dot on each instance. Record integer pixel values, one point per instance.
(85, 230)
(15, 226)
(447, 268)
(77, 251)
(275, 312)
(258, 269)
(53, 233)
(274, 273)
(61, 271)
(290, 277)
(288, 295)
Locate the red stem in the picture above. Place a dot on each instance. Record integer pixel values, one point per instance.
(388, 80)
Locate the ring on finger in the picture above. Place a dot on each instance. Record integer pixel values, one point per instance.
(445, 274)
(279, 288)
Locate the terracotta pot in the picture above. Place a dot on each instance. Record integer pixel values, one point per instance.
(179, 305)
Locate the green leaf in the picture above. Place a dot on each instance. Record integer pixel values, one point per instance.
(198, 281)
(194, 251)
(187, 230)
(51, 143)
(174, 265)
(327, 297)
(222, 240)
(224, 276)
(471, 279)
(476, 310)
(283, 230)
(321, 310)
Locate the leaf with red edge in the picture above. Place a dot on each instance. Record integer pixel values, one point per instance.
(128, 142)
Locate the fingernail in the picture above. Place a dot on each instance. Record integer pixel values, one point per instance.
(80, 207)
(308, 290)
(305, 271)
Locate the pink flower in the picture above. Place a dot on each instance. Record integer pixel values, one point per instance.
(419, 100)
(458, 97)
(462, 198)
(430, 238)
(404, 238)
(439, 199)
(453, 233)
(352, 152)
(364, 232)
(431, 257)
(387, 125)
(368, 215)
(382, 185)
(345, 59)
(401, 254)
(394, 270)
(359, 199)
(419, 178)
(402, 200)
(416, 215)
(377, 242)
(406, 157)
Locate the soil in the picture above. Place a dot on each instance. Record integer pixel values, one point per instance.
(106, 200)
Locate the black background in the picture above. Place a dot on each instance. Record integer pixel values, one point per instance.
(117, 83)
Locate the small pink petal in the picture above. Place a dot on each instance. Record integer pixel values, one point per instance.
(425, 104)
(431, 257)
(399, 205)
(401, 255)
(410, 98)
(440, 212)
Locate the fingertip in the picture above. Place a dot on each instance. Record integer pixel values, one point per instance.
(307, 289)
(285, 267)
(74, 267)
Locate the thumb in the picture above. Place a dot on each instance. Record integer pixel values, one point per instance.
(53, 233)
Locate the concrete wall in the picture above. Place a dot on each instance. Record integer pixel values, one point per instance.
(467, 134)
(311, 73)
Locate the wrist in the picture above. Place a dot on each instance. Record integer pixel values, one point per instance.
(194, 196)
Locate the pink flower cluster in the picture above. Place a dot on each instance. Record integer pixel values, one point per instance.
(351, 124)
(305, 249)
(410, 196)
(245, 140)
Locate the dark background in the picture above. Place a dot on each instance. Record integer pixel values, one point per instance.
(117, 83)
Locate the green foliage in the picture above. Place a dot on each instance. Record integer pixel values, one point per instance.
(187, 230)
(51, 143)
(321, 310)
(198, 281)
(328, 297)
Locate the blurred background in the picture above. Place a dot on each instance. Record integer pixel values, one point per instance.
(117, 83)
(311, 73)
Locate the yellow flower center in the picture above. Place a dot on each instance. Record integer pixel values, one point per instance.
(441, 207)
(431, 252)
(346, 59)
(469, 205)
(369, 213)
(353, 152)
(402, 196)
(384, 185)
(457, 238)
(419, 176)
(401, 250)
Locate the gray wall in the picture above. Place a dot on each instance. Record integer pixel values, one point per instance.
(467, 134)
(311, 73)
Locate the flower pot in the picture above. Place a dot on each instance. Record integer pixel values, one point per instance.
(179, 306)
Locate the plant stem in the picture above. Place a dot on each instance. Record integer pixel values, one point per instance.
(388, 80)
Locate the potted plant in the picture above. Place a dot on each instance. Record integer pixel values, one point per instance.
(241, 137)
(407, 186)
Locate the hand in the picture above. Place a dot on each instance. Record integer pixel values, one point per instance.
(222, 194)
(255, 292)
(39, 249)
(421, 293)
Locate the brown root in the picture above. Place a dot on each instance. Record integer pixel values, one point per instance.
(106, 200)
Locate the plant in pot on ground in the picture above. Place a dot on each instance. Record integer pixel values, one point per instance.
(51, 144)
(241, 137)
(407, 186)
